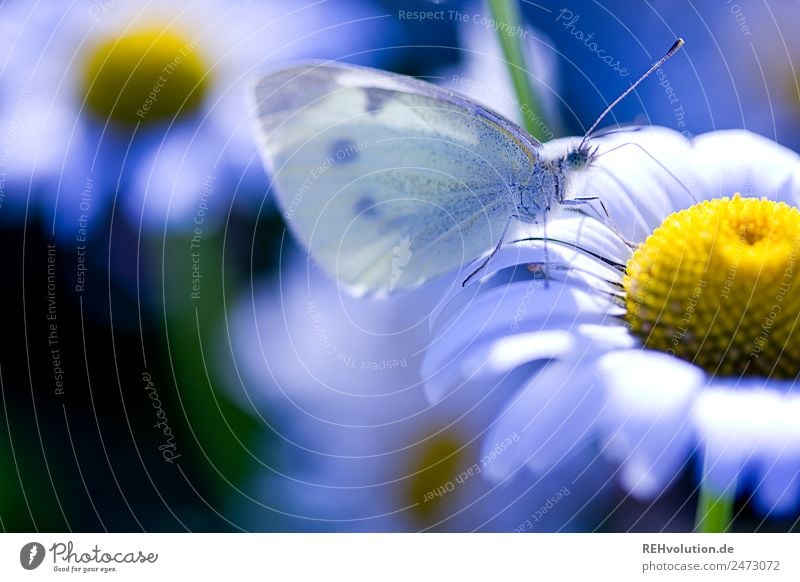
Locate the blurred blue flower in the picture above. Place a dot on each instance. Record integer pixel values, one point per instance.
(583, 380)
(148, 101)
(358, 446)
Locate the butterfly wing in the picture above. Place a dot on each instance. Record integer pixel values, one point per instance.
(388, 181)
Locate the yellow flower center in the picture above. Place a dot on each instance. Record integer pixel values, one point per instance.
(714, 285)
(145, 75)
(434, 476)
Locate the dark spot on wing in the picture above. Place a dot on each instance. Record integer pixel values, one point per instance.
(377, 98)
(344, 150)
(291, 89)
(366, 206)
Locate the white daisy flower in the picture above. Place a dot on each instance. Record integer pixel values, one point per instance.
(667, 336)
(358, 446)
(152, 96)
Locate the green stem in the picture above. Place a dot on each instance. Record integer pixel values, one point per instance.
(506, 14)
(714, 511)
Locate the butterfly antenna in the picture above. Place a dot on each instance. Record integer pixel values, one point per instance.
(673, 49)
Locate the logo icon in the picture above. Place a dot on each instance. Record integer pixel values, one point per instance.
(31, 555)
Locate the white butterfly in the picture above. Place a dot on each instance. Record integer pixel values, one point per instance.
(390, 181)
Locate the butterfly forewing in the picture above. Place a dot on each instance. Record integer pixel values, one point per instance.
(387, 180)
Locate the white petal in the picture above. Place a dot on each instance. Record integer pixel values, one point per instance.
(571, 230)
(648, 396)
(778, 467)
(548, 419)
(177, 182)
(778, 489)
(566, 234)
(304, 348)
(491, 359)
(509, 352)
(741, 161)
(502, 311)
(751, 427)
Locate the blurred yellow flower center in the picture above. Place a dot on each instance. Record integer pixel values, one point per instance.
(714, 285)
(433, 477)
(145, 75)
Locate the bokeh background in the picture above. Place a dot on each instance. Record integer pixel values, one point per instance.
(171, 361)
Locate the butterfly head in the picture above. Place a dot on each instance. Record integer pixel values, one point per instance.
(580, 156)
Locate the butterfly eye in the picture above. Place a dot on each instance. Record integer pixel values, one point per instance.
(577, 159)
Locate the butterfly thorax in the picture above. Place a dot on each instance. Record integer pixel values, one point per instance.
(549, 180)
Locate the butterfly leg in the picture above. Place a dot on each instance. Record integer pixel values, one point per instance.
(585, 200)
(546, 253)
(609, 222)
(492, 254)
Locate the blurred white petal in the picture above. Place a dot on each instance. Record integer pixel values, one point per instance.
(503, 311)
(645, 418)
(751, 426)
(548, 419)
(741, 161)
